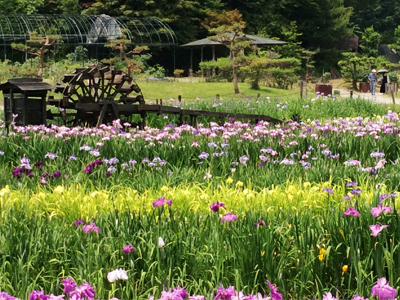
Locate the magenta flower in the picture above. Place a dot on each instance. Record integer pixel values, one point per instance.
(182, 292)
(91, 227)
(274, 291)
(330, 191)
(328, 296)
(38, 295)
(216, 206)
(376, 211)
(351, 211)
(225, 294)
(128, 248)
(383, 290)
(6, 296)
(260, 223)
(357, 297)
(79, 222)
(82, 291)
(376, 229)
(69, 285)
(161, 202)
(229, 217)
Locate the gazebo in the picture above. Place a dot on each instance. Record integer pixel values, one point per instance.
(206, 42)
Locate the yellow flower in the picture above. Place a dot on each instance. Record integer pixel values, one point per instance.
(321, 257)
(239, 183)
(229, 180)
(59, 189)
(345, 268)
(322, 251)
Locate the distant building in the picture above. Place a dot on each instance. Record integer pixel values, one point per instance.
(86, 3)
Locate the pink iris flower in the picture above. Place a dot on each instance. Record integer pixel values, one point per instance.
(376, 229)
(383, 290)
(229, 217)
(161, 202)
(128, 248)
(351, 211)
(91, 227)
(274, 291)
(376, 211)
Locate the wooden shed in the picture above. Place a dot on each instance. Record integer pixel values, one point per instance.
(25, 97)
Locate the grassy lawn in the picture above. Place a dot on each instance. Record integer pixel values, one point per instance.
(206, 90)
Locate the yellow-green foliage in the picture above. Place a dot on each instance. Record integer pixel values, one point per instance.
(81, 202)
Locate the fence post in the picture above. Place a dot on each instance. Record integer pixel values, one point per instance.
(160, 101)
(351, 94)
(179, 98)
(301, 89)
(157, 101)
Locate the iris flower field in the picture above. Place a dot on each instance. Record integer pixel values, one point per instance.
(305, 209)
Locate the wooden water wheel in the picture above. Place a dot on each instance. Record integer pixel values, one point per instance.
(98, 94)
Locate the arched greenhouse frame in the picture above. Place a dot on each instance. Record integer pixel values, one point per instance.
(86, 30)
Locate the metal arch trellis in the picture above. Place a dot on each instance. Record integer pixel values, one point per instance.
(85, 29)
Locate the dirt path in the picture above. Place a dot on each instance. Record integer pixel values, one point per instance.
(379, 97)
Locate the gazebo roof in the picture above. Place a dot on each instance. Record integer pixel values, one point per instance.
(257, 40)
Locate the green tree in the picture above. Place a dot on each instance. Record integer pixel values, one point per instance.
(121, 44)
(227, 28)
(370, 42)
(37, 45)
(396, 44)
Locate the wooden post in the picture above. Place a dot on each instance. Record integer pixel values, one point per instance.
(351, 94)
(191, 63)
(160, 101)
(179, 98)
(142, 124)
(393, 97)
(301, 89)
(213, 58)
(217, 97)
(157, 101)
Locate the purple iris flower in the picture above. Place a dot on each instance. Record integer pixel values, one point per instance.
(182, 292)
(274, 291)
(79, 222)
(383, 290)
(225, 294)
(260, 223)
(356, 192)
(128, 248)
(351, 211)
(216, 206)
(161, 201)
(352, 183)
(330, 191)
(357, 297)
(82, 291)
(376, 211)
(347, 198)
(386, 196)
(69, 285)
(229, 217)
(376, 229)
(38, 295)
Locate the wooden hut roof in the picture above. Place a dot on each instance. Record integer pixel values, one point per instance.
(26, 84)
(257, 40)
